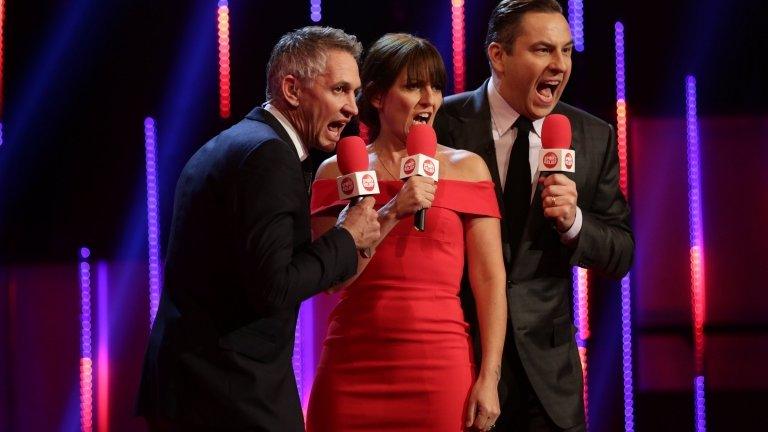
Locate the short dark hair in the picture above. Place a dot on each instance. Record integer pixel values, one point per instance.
(385, 60)
(504, 25)
(303, 52)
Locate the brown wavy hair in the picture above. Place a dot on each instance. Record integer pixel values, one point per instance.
(386, 58)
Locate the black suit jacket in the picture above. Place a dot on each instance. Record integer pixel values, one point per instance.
(239, 262)
(539, 286)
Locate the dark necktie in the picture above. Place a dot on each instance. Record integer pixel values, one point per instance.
(517, 186)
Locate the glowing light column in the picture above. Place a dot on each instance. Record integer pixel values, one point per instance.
(457, 36)
(102, 361)
(697, 249)
(225, 90)
(86, 360)
(576, 22)
(153, 217)
(581, 321)
(626, 289)
(315, 10)
(2, 55)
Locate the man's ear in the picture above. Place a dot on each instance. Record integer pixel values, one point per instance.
(291, 89)
(496, 55)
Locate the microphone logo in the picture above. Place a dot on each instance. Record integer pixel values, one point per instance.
(569, 160)
(429, 167)
(409, 166)
(347, 185)
(368, 182)
(550, 160)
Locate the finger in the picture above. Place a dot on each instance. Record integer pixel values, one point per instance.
(471, 412)
(367, 202)
(559, 179)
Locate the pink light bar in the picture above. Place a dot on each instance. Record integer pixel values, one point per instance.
(102, 360)
(86, 361)
(696, 229)
(457, 34)
(225, 90)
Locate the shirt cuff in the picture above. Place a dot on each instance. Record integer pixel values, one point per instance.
(573, 232)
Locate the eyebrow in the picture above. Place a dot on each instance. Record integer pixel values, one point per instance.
(551, 45)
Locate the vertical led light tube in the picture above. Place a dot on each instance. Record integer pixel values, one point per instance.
(102, 359)
(581, 321)
(225, 90)
(458, 45)
(304, 361)
(315, 10)
(626, 288)
(2, 59)
(153, 217)
(576, 22)
(86, 358)
(696, 230)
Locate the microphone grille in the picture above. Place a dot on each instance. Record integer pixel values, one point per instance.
(556, 132)
(351, 155)
(421, 139)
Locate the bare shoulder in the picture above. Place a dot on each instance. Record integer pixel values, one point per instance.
(328, 169)
(463, 165)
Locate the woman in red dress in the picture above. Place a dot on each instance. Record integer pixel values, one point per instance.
(398, 354)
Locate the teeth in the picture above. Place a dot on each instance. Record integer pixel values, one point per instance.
(421, 118)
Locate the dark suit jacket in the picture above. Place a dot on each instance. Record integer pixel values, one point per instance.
(539, 286)
(239, 263)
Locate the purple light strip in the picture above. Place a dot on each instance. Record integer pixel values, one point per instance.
(626, 288)
(304, 361)
(153, 216)
(576, 21)
(700, 409)
(86, 361)
(102, 361)
(697, 247)
(315, 10)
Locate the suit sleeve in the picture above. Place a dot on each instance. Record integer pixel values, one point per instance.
(271, 187)
(606, 243)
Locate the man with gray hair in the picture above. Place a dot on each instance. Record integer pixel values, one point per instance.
(240, 257)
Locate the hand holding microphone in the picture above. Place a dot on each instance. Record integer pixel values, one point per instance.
(356, 183)
(421, 144)
(559, 196)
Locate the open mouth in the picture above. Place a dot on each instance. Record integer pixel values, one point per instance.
(336, 126)
(547, 88)
(421, 118)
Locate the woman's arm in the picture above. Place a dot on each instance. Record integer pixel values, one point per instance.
(487, 277)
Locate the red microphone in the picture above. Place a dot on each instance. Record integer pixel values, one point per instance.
(356, 180)
(556, 154)
(421, 144)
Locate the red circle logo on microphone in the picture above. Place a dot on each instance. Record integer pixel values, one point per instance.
(549, 159)
(429, 167)
(368, 182)
(569, 160)
(347, 185)
(410, 165)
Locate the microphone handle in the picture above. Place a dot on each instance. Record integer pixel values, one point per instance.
(419, 219)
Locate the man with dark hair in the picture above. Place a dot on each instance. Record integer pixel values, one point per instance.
(550, 224)
(240, 259)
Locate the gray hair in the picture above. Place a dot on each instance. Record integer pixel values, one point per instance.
(303, 53)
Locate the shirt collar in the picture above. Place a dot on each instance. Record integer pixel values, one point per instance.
(503, 115)
(301, 148)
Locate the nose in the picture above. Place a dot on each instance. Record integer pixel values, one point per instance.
(349, 108)
(559, 62)
(428, 96)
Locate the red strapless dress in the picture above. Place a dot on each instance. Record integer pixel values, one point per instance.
(397, 356)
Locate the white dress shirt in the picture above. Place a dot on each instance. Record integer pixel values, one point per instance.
(502, 119)
(301, 148)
